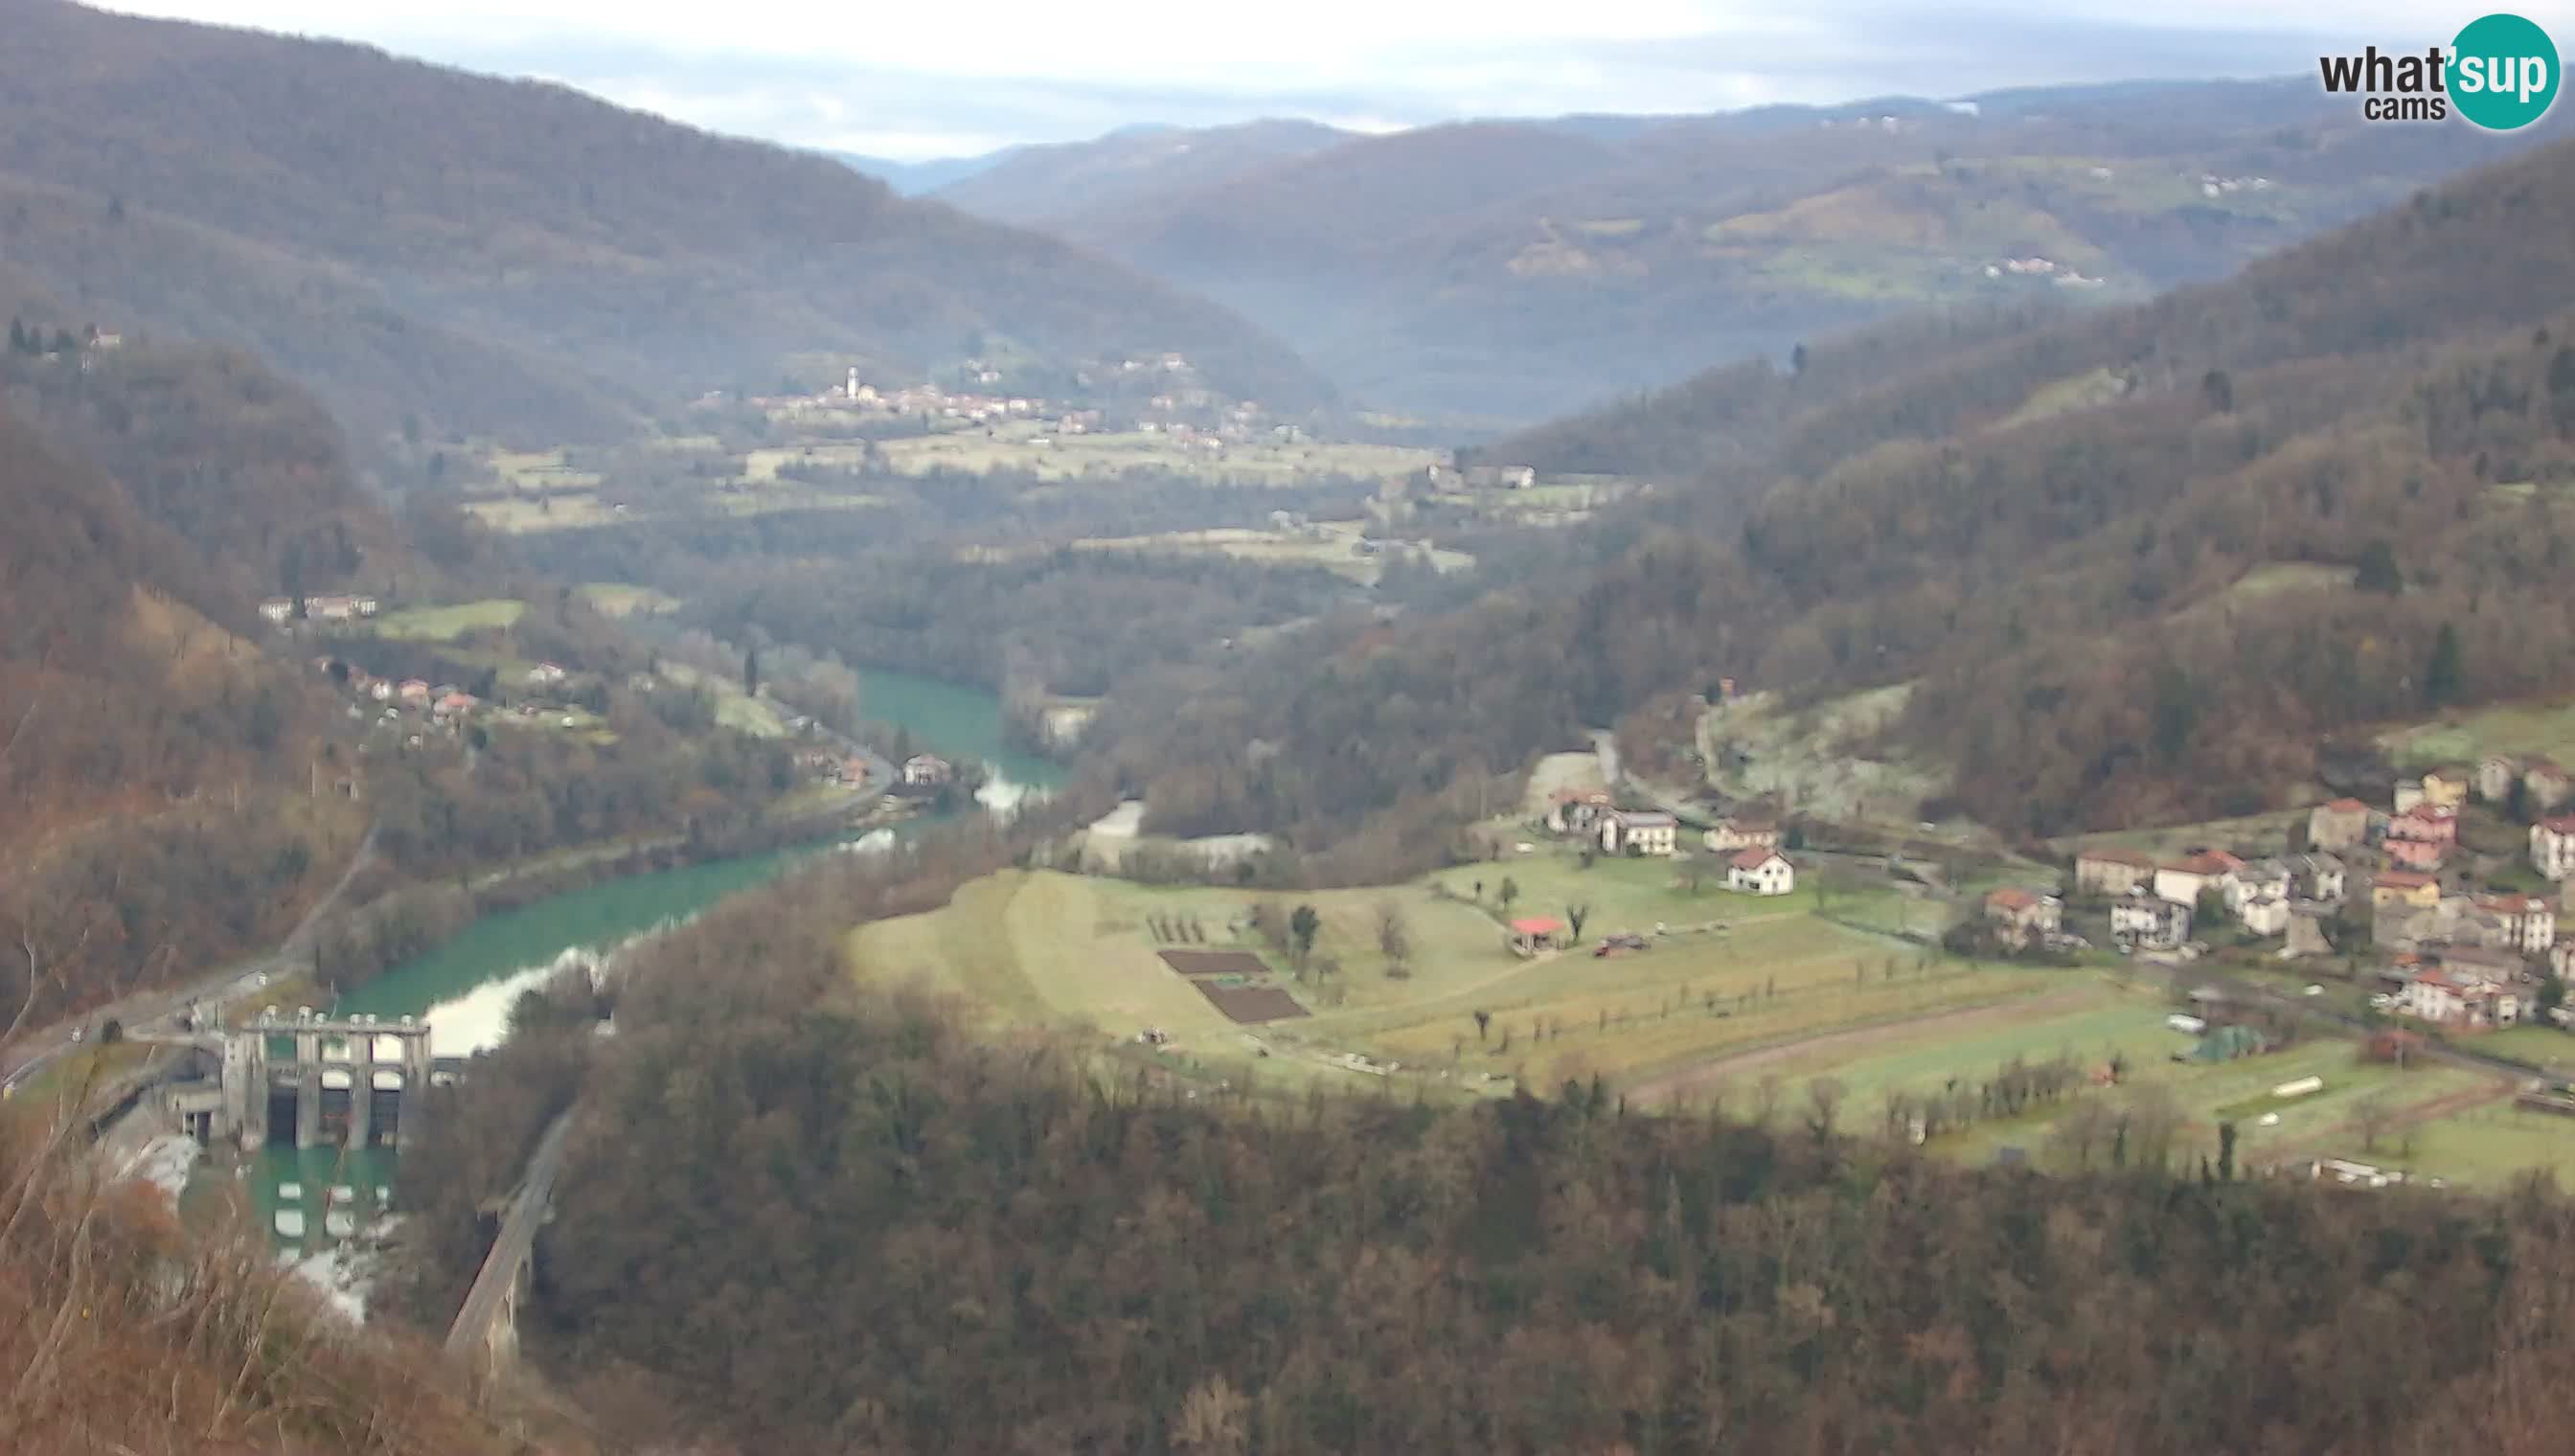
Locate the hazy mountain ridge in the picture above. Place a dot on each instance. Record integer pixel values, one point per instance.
(2053, 530)
(1527, 267)
(510, 255)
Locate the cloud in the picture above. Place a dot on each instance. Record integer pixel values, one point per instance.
(920, 80)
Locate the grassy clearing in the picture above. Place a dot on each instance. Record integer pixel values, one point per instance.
(1070, 954)
(1556, 772)
(2271, 580)
(1074, 457)
(2507, 727)
(517, 515)
(1623, 894)
(2065, 396)
(1331, 546)
(1062, 952)
(2484, 1147)
(2208, 1092)
(625, 598)
(446, 623)
(2109, 1022)
(734, 708)
(1813, 753)
(1703, 1010)
(2543, 1046)
(2267, 832)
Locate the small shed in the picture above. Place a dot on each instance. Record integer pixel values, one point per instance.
(1534, 934)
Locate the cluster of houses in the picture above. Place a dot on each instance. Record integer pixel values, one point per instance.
(1755, 863)
(330, 606)
(2448, 953)
(834, 766)
(2153, 903)
(445, 704)
(1237, 419)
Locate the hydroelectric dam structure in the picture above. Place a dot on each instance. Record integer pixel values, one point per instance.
(355, 1081)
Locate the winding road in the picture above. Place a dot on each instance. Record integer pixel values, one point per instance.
(146, 1010)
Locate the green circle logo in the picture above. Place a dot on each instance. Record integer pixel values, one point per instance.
(2503, 71)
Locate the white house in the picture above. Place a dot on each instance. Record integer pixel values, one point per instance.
(2148, 922)
(2319, 876)
(2182, 881)
(542, 674)
(2529, 922)
(278, 610)
(2552, 846)
(2495, 775)
(2264, 914)
(1638, 831)
(2453, 998)
(1577, 811)
(2261, 879)
(923, 771)
(1760, 871)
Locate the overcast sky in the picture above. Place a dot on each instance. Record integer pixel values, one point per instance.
(914, 81)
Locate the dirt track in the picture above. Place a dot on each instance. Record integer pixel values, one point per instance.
(1681, 1081)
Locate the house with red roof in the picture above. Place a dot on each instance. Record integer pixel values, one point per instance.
(1530, 934)
(2183, 880)
(2405, 887)
(2454, 996)
(2529, 922)
(2423, 837)
(2342, 824)
(2021, 916)
(1760, 870)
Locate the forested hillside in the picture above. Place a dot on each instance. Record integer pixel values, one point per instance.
(127, 1335)
(798, 1222)
(178, 786)
(508, 256)
(2055, 532)
(1032, 186)
(150, 749)
(1521, 269)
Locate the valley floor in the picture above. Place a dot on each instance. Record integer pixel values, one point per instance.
(1744, 1001)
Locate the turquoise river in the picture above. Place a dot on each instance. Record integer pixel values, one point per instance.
(314, 1198)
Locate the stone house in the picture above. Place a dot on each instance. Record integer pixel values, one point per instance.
(2342, 824)
(2022, 916)
(2112, 872)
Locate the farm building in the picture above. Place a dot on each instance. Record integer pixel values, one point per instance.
(1533, 933)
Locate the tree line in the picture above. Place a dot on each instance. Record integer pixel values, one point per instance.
(803, 1219)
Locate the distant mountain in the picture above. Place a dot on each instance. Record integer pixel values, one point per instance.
(1038, 185)
(2111, 566)
(510, 257)
(1519, 269)
(917, 179)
